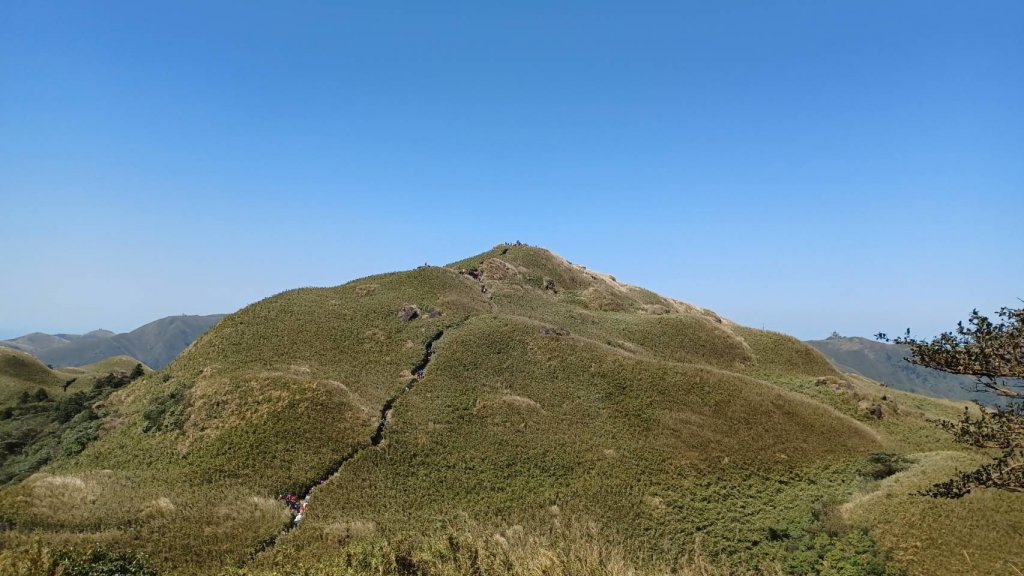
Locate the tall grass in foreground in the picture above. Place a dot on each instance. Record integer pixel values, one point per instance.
(465, 550)
(469, 549)
(580, 549)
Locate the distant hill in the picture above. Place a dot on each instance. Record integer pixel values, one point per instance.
(886, 363)
(22, 372)
(155, 344)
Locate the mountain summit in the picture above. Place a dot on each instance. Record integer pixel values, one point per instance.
(508, 409)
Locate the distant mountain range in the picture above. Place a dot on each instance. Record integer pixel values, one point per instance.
(155, 344)
(886, 363)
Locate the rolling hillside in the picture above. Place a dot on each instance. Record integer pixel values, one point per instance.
(46, 414)
(886, 363)
(510, 413)
(155, 344)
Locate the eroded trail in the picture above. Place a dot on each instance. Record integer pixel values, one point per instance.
(418, 372)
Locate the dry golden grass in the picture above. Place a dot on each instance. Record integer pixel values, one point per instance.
(21, 372)
(978, 535)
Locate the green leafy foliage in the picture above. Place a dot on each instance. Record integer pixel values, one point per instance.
(993, 353)
(1001, 429)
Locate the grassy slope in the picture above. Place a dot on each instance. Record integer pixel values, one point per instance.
(574, 430)
(35, 430)
(22, 372)
(978, 535)
(651, 422)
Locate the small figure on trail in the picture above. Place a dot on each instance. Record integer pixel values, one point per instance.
(419, 374)
(294, 504)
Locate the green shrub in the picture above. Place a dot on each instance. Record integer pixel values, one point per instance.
(884, 464)
(168, 412)
(854, 553)
(101, 562)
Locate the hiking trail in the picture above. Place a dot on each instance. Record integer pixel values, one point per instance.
(476, 275)
(418, 373)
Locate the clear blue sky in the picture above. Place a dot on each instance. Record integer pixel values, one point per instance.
(787, 164)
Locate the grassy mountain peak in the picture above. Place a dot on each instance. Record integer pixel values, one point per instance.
(505, 408)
